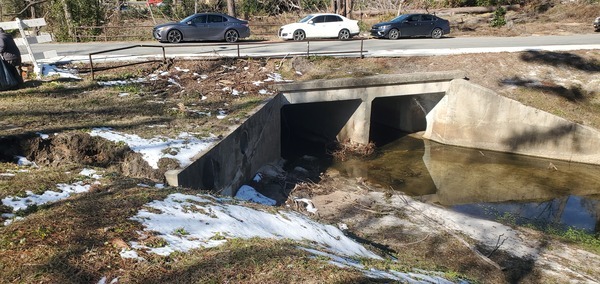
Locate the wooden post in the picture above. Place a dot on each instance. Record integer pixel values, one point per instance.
(36, 67)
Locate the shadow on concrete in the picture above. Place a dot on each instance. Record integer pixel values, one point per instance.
(531, 137)
(573, 94)
(561, 59)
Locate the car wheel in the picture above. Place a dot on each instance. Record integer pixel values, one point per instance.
(231, 36)
(344, 34)
(394, 34)
(437, 33)
(174, 36)
(299, 35)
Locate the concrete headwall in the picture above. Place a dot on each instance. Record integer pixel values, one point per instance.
(475, 117)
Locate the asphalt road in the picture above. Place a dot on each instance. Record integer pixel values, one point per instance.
(369, 47)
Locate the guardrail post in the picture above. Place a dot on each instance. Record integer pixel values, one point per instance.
(361, 48)
(164, 55)
(307, 48)
(91, 66)
(238, 50)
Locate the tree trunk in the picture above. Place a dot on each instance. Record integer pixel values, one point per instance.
(231, 8)
(349, 6)
(68, 19)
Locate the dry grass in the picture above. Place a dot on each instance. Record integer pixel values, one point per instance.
(191, 104)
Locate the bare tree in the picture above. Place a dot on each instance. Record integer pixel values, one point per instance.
(68, 18)
(231, 8)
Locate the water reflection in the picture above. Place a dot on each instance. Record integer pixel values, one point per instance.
(521, 189)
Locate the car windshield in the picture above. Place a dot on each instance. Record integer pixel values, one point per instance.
(187, 19)
(306, 19)
(400, 18)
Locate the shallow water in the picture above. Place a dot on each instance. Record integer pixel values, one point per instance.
(497, 186)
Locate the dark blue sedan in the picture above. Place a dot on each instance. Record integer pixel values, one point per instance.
(412, 25)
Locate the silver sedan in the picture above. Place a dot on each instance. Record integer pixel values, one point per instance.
(202, 26)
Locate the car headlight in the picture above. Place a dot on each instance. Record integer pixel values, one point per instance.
(384, 27)
(158, 30)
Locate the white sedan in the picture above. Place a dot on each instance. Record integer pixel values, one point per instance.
(320, 26)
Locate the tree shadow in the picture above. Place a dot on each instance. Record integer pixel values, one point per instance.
(534, 136)
(573, 94)
(561, 59)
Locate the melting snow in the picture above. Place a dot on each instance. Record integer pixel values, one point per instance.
(203, 217)
(182, 149)
(63, 191)
(248, 193)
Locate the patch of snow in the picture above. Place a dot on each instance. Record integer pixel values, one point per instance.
(157, 125)
(90, 173)
(52, 70)
(222, 114)
(22, 161)
(120, 82)
(276, 77)
(258, 83)
(182, 70)
(42, 135)
(310, 206)
(172, 81)
(10, 218)
(205, 217)
(185, 147)
(7, 175)
(65, 190)
(123, 95)
(248, 193)
(104, 279)
(403, 277)
(127, 253)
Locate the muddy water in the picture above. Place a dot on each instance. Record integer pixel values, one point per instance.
(491, 185)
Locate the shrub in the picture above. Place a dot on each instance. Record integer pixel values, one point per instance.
(499, 19)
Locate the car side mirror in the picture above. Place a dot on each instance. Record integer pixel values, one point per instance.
(310, 22)
(189, 23)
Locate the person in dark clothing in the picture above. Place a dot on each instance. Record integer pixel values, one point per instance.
(11, 54)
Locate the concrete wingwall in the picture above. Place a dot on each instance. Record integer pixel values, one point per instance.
(476, 117)
(231, 162)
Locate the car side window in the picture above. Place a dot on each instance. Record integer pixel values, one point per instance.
(215, 19)
(413, 18)
(332, 18)
(426, 18)
(199, 20)
(318, 19)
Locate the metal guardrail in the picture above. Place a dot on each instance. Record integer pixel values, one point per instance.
(308, 52)
(123, 48)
